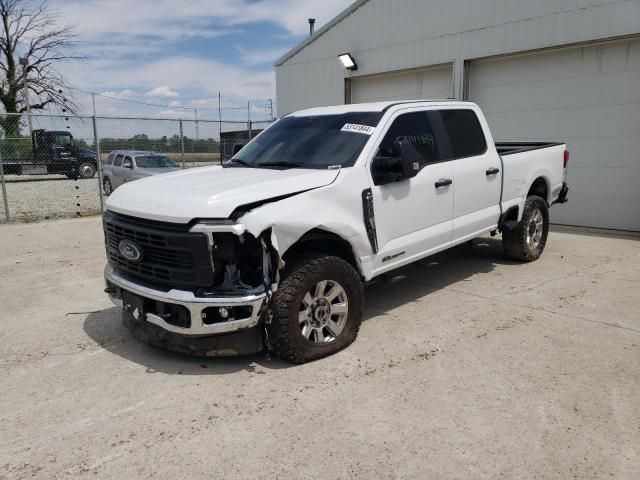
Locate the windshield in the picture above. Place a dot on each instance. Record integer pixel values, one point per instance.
(321, 141)
(63, 140)
(154, 161)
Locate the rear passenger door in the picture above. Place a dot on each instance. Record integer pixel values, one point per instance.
(477, 170)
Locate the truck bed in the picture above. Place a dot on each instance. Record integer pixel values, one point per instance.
(525, 162)
(509, 148)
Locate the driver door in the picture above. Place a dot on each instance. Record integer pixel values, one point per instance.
(413, 216)
(127, 170)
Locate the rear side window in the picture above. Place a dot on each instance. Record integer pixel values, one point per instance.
(118, 161)
(466, 137)
(418, 128)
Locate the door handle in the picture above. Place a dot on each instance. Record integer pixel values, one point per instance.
(443, 182)
(492, 171)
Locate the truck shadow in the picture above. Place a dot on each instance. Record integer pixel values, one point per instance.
(407, 284)
(397, 288)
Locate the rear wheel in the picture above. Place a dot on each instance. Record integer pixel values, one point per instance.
(527, 240)
(317, 309)
(86, 170)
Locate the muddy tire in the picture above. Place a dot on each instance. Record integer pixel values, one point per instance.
(317, 309)
(527, 240)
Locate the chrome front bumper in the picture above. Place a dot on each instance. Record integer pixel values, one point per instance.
(195, 306)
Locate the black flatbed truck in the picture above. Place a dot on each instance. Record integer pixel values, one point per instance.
(53, 153)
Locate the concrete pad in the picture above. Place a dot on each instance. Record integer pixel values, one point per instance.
(468, 365)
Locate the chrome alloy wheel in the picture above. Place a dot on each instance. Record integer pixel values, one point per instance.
(535, 229)
(323, 312)
(87, 171)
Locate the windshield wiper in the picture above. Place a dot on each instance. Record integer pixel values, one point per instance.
(239, 162)
(283, 164)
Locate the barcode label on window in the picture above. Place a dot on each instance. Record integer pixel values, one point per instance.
(354, 127)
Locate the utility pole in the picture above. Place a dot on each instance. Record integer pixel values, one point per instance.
(271, 109)
(220, 149)
(93, 101)
(24, 61)
(195, 114)
(249, 118)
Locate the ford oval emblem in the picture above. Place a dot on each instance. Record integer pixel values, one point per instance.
(130, 250)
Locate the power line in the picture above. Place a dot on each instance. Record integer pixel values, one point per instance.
(148, 104)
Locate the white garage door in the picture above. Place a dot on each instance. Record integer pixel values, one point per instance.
(588, 97)
(432, 83)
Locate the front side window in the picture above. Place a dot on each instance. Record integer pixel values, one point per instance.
(320, 141)
(419, 129)
(437, 135)
(128, 163)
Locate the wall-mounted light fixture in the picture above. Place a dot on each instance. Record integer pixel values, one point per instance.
(348, 61)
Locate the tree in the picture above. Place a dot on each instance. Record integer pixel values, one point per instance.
(31, 32)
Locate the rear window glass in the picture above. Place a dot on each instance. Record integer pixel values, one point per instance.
(110, 159)
(465, 133)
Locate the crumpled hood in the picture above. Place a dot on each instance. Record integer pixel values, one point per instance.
(210, 192)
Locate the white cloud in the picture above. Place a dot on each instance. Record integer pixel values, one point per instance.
(127, 93)
(191, 18)
(163, 91)
(124, 41)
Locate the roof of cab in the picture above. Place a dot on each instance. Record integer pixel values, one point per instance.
(371, 107)
(133, 153)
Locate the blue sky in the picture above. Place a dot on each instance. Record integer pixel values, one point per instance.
(182, 53)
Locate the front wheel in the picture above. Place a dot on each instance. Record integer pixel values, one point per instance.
(527, 240)
(107, 188)
(317, 309)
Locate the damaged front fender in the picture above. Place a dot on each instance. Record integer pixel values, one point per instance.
(289, 219)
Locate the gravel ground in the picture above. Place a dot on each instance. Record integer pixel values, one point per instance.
(467, 366)
(42, 197)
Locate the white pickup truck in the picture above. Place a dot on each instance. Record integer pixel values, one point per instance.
(273, 248)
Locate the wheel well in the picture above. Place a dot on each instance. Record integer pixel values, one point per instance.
(539, 188)
(321, 241)
(509, 218)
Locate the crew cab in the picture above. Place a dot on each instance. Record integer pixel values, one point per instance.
(272, 249)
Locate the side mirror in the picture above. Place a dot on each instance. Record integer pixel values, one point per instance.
(404, 164)
(237, 147)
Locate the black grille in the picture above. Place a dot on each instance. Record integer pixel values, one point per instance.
(171, 255)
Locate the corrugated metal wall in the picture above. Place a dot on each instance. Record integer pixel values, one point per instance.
(389, 35)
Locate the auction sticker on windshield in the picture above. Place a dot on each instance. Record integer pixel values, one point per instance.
(354, 127)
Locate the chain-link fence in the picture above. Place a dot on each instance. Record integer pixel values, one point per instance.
(56, 166)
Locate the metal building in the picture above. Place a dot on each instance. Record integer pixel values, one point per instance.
(565, 70)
